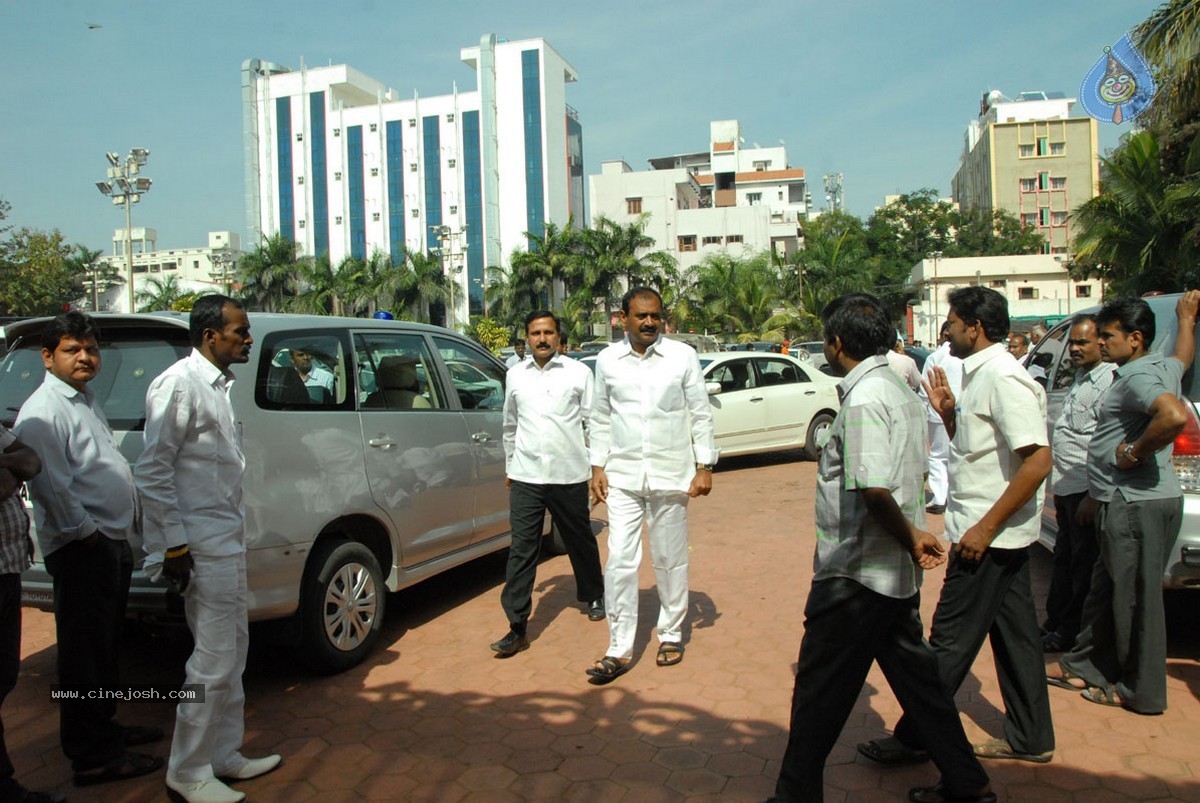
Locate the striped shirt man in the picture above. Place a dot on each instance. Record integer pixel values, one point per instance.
(1073, 430)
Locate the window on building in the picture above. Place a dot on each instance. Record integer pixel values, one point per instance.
(170, 265)
(733, 238)
(1044, 217)
(450, 117)
(155, 268)
(1043, 181)
(760, 167)
(1058, 182)
(451, 163)
(196, 264)
(301, 224)
(754, 198)
(337, 221)
(375, 216)
(711, 240)
(412, 167)
(633, 206)
(374, 171)
(781, 195)
(299, 179)
(416, 213)
(1083, 291)
(998, 284)
(1058, 148)
(337, 132)
(454, 210)
(300, 137)
(1028, 184)
(1043, 146)
(1058, 219)
(1029, 219)
(412, 123)
(374, 128)
(337, 176)
(1025, 151)
(1027, 293)
(687, 242)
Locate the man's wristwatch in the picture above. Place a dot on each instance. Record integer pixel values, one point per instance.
(704, 467)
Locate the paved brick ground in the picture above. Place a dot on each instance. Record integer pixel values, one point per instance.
(433, 716)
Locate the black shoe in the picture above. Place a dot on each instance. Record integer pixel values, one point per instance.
(935, 510)
(135, 735)
(31, 796)
(596, 610)
(510, 645)
(938, 794)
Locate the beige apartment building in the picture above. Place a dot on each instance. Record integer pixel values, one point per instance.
(1031, 158)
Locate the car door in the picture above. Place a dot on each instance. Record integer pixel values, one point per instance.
(739, 411)
(418, 455)
(1052, 355)
(476, 379)
(791, 400)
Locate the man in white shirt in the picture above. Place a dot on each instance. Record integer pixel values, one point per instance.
(939, 441)
(85, 506)
(317, 381)
(518, 354)
(652, 448)
(190, 478)
(999, 458)
(546, 404)
(904, 365)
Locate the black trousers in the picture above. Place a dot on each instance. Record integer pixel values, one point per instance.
(1075, 553)
(10, 667)
(91, 587)
(1124, 636)
(992, 599)
(568, 505)
(847, 626)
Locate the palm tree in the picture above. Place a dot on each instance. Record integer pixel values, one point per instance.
(611, 254)
(1141, 231)
(316, 288)
(268, 273)
(1170, 40)
(412, 288)
(159, 293)
(97, 275)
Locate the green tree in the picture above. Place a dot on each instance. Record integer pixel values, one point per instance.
(268, 274)
(158, 293)
(1170, 40)
(97, 275)
(1141, 232)
(487, 332)
(413, 289)
(836, 259)
(978, 232)
(36, 277)
(611, 254)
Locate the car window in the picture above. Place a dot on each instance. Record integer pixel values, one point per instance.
(395, 372)
(477, 378)
(1054, 357)
(130, 359)
(777, 372)
(302, 371)
(733, 375)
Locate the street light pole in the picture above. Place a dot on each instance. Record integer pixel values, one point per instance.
(935, 256)
(125, 186)
(445, 237)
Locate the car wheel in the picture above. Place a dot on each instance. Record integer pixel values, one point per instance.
(818, 433)
(341, 605)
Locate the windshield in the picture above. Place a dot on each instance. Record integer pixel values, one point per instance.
(130, 360)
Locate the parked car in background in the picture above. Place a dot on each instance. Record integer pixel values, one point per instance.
(918, 354)
(394, 477)
(815, 349)
(765, 402)
(756, 345)
(696, 341)
(1183, 565)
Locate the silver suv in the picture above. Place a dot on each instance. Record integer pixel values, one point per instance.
(384, 468)
(1183, 566)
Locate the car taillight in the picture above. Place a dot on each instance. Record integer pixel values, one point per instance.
(1187, 452)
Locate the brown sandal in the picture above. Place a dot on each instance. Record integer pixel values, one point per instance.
(669, 653)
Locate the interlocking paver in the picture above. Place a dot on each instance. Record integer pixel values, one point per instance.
(432, 716)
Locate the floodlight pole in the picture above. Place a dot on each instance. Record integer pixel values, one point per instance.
(129, 190)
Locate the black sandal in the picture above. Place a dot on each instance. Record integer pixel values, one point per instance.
(669, 653)
(123, 767)
(607, 669)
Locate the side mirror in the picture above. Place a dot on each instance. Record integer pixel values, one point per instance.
(713, 388)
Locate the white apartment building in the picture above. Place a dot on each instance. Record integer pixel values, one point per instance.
(343, 165)
(203, 269)
(728, 198)
(1038, 287)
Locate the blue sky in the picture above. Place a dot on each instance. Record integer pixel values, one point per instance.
(878, 90)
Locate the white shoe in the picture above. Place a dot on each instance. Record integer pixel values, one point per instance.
(252, 768)
(210, 791)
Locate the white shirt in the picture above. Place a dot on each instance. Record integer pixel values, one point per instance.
(952, 366)
(651, 422)
(1001, 409)
(905, 368)
(86, 484)
(318, 377)
(545, 410)
(190, 473)
(514, 359)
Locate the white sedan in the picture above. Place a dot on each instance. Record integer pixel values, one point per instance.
(765, 402)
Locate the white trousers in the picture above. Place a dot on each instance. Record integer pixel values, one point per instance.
(208, 734)
(939, 460)
(665, 516)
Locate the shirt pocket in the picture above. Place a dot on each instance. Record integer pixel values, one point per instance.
(666, 392)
